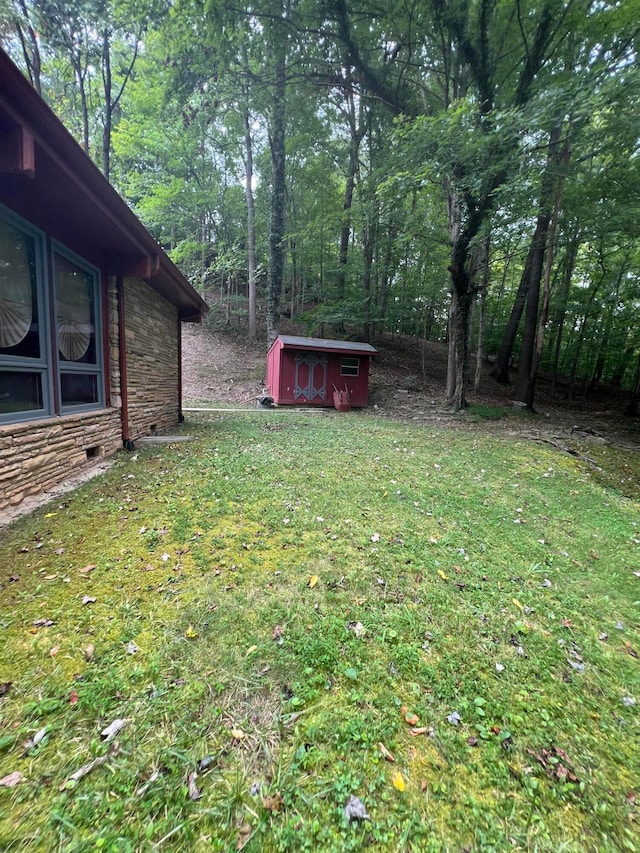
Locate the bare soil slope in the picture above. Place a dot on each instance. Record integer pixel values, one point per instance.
(407, 383)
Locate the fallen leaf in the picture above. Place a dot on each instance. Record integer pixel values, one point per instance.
(50, 514)
(84, 771)
(251, 650)
(132, 648)
(88, 652)
(355, 810)
(454, 718)
(11, 780)
(238, 734)
(277, 633)
(244, 835)
(5, 687)
(419, 730)
(424, 785)
(628, 648)
(193, 791)
(273, 803)
(384, 752)
(35, 740)
(313, 580)
(517, 604)
(411, 718)
(472, 741)
(54, 651)
(442, 574)
(73, 697)
(43, 623)
(398, 781)
(88, 599)
(191, 633)
(87, 569)
(112, 729)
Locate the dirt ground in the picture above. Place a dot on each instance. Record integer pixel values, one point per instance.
(407, 383)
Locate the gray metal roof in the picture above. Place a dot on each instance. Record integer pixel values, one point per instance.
(296, 342)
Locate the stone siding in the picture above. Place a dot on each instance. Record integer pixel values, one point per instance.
(37, 455)
(153, 356)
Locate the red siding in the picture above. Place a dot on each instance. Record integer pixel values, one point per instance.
(307, 375)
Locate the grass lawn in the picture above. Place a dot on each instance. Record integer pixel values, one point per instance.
(293, 609)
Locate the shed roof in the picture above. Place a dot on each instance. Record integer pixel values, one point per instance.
(47, 178)
(325, 345)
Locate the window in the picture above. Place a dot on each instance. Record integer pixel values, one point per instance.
(76, 309)
(349, 366)
(37, 356)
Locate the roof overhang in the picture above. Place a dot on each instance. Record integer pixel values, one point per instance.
(46, 177)
(325, 345)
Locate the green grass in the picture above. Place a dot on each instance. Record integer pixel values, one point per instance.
(484, 574)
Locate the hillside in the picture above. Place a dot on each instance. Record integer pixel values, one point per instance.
(407, 382)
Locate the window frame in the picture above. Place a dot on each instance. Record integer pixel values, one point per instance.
(70, 367)
(48, 365)
(352, 369)
(40, 365)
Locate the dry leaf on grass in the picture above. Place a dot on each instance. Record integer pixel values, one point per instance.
(193, 792)
(11, 780)
(273, 803)
(384, 752)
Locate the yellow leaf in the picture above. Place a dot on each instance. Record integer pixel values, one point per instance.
(251, 650)
(398, 781)
(313, 580)
(191, 633)
(54, 651)
(238, 734)
(442, 574)
(50, 514)
(517, 604)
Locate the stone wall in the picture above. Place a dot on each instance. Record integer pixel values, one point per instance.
(153, 359)
(38, 455)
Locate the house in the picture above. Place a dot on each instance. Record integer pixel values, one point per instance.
(90, 306)
(309, 370)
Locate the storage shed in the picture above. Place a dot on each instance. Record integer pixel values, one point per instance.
(308, 370)
(90, 307)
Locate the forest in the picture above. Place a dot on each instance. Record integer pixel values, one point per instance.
(459, 171)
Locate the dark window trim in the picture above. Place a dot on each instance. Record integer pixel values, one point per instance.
(349, 369)
(47, 364)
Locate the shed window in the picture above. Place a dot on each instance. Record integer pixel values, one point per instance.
(50, 341)
(349, 366)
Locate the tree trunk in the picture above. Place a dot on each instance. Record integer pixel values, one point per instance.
(500, 371)
(30, 48)
(251, 222)
(275, 274)
(527, 362)
(567, 273)
(108, 109)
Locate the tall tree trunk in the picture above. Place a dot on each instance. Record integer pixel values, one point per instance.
(108, 112)
(275, 274)
(500, 371)
(527, 363)
(356, 134)
(251, 220)
(30, 47)
(561, 311)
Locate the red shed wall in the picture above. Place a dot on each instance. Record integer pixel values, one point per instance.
(273, 370)
(358, 386)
